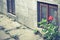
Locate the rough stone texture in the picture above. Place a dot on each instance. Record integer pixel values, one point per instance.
(59, 16)
(11, 39)
(26, 11)
(3, 35)
(1, 6)
(4, 6)
(23, 32)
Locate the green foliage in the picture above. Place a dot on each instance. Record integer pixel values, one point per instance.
(35, 30)
(50, 30)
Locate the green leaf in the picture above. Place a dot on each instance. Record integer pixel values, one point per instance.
(35, 30)
(44, 30)
(52, 29)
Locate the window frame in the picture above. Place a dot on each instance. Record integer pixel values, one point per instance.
(11, 6)
(41, 4)
(55, 7)
(39, 11)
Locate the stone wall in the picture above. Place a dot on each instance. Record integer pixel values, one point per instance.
(26, 11)
(4, 6)
(59, 16)
(1, 6)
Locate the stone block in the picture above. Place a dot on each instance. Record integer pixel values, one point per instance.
(3, 35)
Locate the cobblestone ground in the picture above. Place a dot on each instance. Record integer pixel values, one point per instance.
(10, 30)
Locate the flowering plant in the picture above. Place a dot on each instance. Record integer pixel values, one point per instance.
(49, 30)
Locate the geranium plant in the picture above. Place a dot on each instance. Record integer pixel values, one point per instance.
(49, 30)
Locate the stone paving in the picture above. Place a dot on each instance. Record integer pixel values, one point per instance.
(15, 31)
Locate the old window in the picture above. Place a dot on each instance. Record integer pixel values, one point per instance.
(11, 6)
(44, 10)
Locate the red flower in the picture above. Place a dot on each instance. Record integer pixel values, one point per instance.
(50, 18)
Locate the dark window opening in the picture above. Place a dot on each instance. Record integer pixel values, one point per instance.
(11, 6)
(44, 10)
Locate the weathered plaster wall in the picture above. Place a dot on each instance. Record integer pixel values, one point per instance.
(59, 16)
(26, 11)
(4, 6)
(1, 6)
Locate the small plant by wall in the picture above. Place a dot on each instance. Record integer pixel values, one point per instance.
(49, 30)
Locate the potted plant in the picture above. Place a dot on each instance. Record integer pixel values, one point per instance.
(49, 31)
